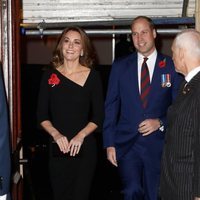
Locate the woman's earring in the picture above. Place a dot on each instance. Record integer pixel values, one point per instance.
(81, 53)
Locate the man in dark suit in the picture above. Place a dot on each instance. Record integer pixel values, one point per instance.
(4, 145)
(135, 115)
(180, 169)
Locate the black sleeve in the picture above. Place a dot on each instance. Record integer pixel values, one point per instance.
(97, 100)
(43, 99)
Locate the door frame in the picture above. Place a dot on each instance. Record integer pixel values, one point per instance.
(10, 12)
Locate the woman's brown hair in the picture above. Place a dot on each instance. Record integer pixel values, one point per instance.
(88, 57)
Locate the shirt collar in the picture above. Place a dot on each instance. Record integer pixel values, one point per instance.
(192, 73)
(154, 54)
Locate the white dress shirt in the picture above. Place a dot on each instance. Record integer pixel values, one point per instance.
(150, 63)
(4, 197)
(192, 73)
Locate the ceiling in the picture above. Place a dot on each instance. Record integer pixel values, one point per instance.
(49, 17)
(98, 11)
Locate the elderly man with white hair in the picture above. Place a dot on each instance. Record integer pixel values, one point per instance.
(180, 172)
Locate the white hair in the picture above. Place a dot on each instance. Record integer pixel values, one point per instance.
(189, 40)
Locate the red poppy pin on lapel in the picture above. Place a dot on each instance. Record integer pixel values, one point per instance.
(53, 80)
(162, 63)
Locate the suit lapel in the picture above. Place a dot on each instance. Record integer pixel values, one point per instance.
(156, 79)
(133, 77)
(132, 74)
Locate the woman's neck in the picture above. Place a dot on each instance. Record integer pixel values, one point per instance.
(71, 67)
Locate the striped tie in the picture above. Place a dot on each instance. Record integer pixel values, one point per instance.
(145, 83)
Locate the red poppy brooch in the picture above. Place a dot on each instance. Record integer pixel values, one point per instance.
(53, 80)
(162, 63)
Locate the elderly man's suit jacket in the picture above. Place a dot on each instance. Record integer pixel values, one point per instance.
(180, 174)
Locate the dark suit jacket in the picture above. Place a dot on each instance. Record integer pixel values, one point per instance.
(123, 106)
(180, 174)
(4, 142)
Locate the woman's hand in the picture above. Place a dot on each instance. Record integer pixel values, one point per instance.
(62, 142)
(75, 144)
(60, 139)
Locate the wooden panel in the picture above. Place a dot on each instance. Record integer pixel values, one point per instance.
(197, 15)
(35, 11)
(17, 149)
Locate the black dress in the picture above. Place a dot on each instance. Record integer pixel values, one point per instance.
(70, 107)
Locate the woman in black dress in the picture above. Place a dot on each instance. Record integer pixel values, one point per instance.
(70, 109)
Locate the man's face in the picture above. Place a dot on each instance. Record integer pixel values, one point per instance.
(143, 37)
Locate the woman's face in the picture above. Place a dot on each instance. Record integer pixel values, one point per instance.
(72, 46)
